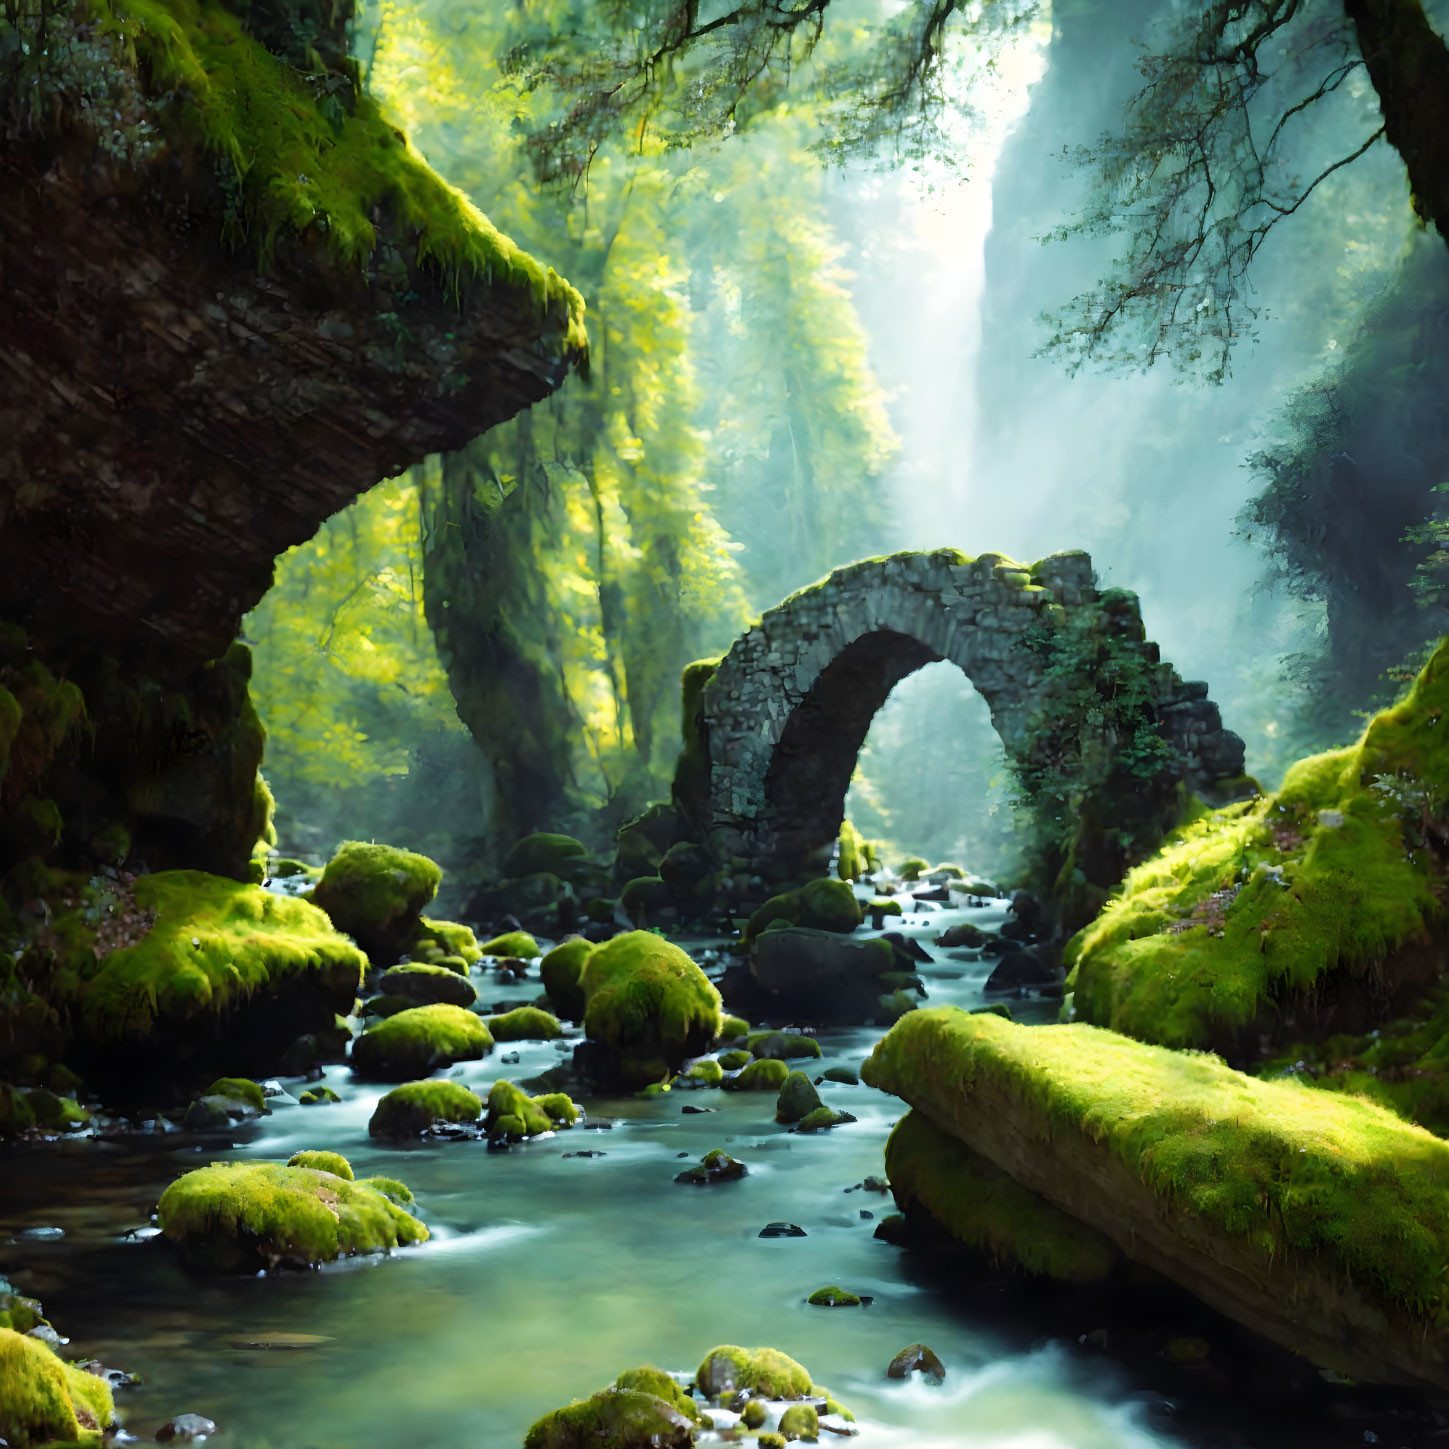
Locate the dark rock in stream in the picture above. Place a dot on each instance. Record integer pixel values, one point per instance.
(907, 946)
(781, 1230)
(820, 974)
(963, 935)
(715, 1166)
(1020, 970)
(916, 1358)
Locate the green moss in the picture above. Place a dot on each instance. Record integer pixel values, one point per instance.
(798, 1098)
(850, 862)
(729, 1369)
(449, 938)
(952, 872)
(561, 969)
(689, 790)
(234, 1216)
(513, 1113)
(914, 868)
(762, 1076)
(54, 1113)
(822, 905)
(732, 1027)
(707, 1073)
(1260, 900)
(46, 1400)
(387, 1005)
(783, 1045)
(799, 1421)
(21, 1314)
(394, 1191)
(822, 1118)
(414, 1107)
(613, 1419)
(512, 945)
(301, 166)
(416, 1042)
(525, 1023)
(1276, 1167)
(884, 907)
(333, 1162)
(318, 1097)
(770, 1441)
(981, 1206)
(376, 893)
(754, 1414)
(833, 1297)
(733, 1061)
(240, 1089)
(648, 1005)
(557, 854)
(428, 984)
(215, 943)
(282, 867)
(655, 1381)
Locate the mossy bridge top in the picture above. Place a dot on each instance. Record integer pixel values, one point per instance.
(773, 729)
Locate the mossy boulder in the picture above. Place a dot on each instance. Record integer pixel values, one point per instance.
(559, 855)
(821, 905)
(1300, 1213)
(782, 1045)
(644, 897)
(759, 1076)
(416, 1107)
(984, 1209)
(376, 895)
(850, 862)
(1328, 888)
(706, 1073)
(386, 1006)
(419, 1041)
(647, 1008)
(513, 1114)
(833, 1297)
(209, 968)
(428, 984)
(511, 945)
(56, 1113)
(44, 1400)
(799, 1421)
(688, 872)
(561, 970)
(318, 1097)
(241, 1088)
(525, 1023)
(733, 1030)
(241, 1216)
(798, 1098)
(715, 1166)
(729, 1370)
(913, 868)
(615, 1418)
(333, 1162)
(733, 1061)
(448, 938)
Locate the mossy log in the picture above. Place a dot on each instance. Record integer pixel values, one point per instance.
(1318, 1220)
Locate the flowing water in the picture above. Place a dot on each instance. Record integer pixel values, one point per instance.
(549, 1273)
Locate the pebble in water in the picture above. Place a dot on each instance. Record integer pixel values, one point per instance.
(186, 1429)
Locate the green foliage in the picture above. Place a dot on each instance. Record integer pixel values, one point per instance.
(1275, 1167)
(233, 1215)
(214, 943)
(415, 1106)
(1258, 901)
(333, 1162)
(376, 893)
(418, 1041)
(822, 905)
(981, 1206)
(46, 1399)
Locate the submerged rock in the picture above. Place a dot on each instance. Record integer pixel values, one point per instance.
(240, 1216)
(1022, 971)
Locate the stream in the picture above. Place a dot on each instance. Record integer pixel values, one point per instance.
(550, 1272)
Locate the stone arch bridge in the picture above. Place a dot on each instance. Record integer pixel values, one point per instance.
(773, 730)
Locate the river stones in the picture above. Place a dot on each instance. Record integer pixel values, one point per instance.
(416, 1042)
(417, 1107)
(427, 985)
(186, 1429)
(715, 1166)
(916, 1358)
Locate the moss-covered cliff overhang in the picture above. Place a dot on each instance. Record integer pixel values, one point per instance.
(232, 298)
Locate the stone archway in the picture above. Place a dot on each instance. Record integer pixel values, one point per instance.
(775, 727)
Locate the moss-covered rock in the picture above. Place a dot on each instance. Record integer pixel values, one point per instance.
(729, 1369)
(647, 1008)
(980, 1206)
(219, 966)
(559, 855)
(512, 945)
(821, 905)
(798, 1098)
(44, 1400)
(833, 1297)
(706, 1073)
(415, 1107)
(688, 872)
(318, 1097)
(913, 868)
(782, 1045)
(715, 1166)
(333, 1162)
(759, 1076)
(419, 1041)
(614, 1418)
(1328, 887)
(732, 1029)
(428, 984)
(850, 863)
(525, 1023)
(386, 1006)
(448, 938)
(56, 1113)
(822, 1118)
(561, 970)
(18, 1312)
(735, 1060)
(644, 897)
(1296, 1211)
(800, 1421)
(754, 1414)
(240, 1216)
(376, 894)
(513, 1114)
(243, 1089)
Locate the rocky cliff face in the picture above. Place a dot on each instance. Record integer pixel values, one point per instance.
(232, 298)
